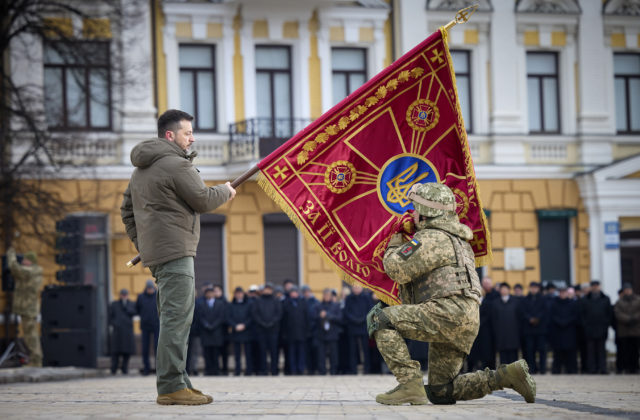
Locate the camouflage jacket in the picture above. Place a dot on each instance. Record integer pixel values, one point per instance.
(26, 299)
(428, 268)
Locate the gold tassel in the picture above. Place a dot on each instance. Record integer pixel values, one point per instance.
(484, 259)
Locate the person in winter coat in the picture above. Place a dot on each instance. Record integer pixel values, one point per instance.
(311, 346)
(483, 352)
(121, 313)
(595, 315)
(534, 318)
(266, 313)
(240, 323)
(329, 317)
(563, 331)
(211, 316)
(194, 348)
(147, 309)
(627, 314)
(506, 328)
(161, 211)
(218, 293)
(296, 324)
(356, 308)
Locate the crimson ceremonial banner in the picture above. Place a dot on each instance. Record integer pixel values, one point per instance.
(344, 179)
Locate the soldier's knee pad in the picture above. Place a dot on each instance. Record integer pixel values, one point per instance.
(380, 322)
(377, 320)
(440, 394)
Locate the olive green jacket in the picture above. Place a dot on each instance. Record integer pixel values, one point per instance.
(28, 279)
(162, 204)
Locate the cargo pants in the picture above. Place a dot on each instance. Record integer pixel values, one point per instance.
(32, 339)
(175, 300)
(450, 325)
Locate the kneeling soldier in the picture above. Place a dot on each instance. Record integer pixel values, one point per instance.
(440, 295)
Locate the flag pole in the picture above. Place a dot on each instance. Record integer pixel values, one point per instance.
(462, 16)
(235, 183)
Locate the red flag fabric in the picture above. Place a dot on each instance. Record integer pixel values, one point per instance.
(344, 179)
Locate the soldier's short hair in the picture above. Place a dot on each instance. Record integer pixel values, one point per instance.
(170, 121)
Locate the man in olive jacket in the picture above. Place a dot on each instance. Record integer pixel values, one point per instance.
(161, 212)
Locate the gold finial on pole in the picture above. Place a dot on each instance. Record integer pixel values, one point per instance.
(462, 16)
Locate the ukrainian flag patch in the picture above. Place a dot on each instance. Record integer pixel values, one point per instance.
(409, 248)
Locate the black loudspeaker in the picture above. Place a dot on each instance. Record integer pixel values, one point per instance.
(69, 326)
(69, 348)
(68, 307)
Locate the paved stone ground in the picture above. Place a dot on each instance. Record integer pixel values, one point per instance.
(302, 397)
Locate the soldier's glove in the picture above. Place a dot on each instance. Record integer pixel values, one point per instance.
(373, 324)
(396, 240)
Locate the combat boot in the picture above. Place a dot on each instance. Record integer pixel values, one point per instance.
(198, 392)
(183, 397)
(516, 376)
(411, 392)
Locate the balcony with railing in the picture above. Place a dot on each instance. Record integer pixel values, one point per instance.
(255, 138)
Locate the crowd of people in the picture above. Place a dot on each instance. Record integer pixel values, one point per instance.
(571, 323)
(269, 330)
(267, 325)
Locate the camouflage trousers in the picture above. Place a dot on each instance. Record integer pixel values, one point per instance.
(32, 339)
(450, 325)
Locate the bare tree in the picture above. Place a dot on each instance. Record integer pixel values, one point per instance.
(32, 153)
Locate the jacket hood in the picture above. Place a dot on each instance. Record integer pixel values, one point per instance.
(448, 222)
(146, 153)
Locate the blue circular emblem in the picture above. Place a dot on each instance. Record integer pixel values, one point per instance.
(398, 175)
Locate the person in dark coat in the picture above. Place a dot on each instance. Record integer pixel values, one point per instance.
(121, 313)
(595, 316)
(194, 335)
(211, 316)
(311, 345)
(296, 323)
(266, 313)
(356, 308)
(328, 317)
(218, 293)
(581, 292)
(343, 340)
(147, 309)
(534, 310)
(253, 295)
(483, 352)
(627, 315)
(240, 323)
(504, 319)
(563, 331)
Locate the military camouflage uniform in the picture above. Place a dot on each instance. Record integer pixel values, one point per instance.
(26, 301)
(440, 294)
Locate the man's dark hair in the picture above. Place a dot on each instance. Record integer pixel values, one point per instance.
(505, 284)
(170, 121)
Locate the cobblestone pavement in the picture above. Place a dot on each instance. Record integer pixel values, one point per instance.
(302, 397)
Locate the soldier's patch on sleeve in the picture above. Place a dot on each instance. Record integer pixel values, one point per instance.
(409, 248)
